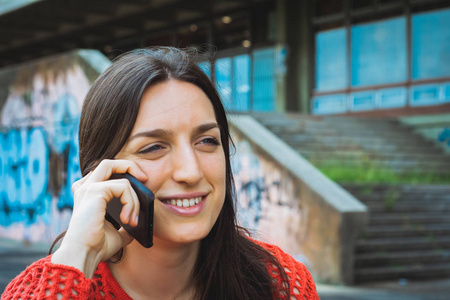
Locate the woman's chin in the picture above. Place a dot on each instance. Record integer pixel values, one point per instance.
(181, 237)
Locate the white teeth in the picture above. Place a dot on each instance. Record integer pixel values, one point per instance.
(184, 202)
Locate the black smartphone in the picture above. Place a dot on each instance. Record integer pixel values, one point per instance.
(143, 232)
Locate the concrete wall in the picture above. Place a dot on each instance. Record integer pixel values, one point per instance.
(435, 128)
(40, 105)
(290, 203)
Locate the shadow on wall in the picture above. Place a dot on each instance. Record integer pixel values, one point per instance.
(40, 104)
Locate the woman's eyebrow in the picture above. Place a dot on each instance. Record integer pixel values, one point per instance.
(156, 133)
(205, 127)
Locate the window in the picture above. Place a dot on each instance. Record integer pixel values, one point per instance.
(379, 53)
(331, 60)
(223, 79)
(234, 80)
(241, 83)
(431, 45)
(263, 80)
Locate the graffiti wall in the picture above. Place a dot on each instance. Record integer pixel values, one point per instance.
(268, 198)
(40, 105)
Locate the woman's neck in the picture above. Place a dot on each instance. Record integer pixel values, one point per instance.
(161, 272)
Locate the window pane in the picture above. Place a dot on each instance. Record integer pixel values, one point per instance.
(431, 45)
(263, 80)
(379, 53)
(331, 60)
(223, 79)
(241, 83)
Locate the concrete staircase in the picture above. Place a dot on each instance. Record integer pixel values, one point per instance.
(409, 229)
(351, 142)
(408, 234)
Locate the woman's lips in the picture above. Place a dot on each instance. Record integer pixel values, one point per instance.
(187, 202)
(185, 206)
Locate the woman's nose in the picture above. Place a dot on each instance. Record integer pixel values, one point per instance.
(186, 166)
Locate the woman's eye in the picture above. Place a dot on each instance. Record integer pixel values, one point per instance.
(210, 141)
(151, 149)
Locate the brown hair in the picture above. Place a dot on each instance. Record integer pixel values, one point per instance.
(229, 265)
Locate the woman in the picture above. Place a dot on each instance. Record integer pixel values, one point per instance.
(156, 115)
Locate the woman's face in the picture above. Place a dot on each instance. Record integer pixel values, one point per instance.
(176, 142)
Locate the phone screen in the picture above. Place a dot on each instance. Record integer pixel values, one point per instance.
(143, 232)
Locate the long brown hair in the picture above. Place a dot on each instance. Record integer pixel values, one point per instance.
(229, 265)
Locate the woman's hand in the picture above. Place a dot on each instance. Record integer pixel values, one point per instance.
(91, 239)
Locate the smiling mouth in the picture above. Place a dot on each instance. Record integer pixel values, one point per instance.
(184, 202)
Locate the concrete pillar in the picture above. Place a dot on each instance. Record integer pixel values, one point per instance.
(280, 37)
(300, 57)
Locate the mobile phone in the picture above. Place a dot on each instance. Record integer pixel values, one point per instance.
(143, 232)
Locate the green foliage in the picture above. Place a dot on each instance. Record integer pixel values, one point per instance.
(367, 172)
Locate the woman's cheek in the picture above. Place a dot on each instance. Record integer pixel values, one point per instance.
(156, 172)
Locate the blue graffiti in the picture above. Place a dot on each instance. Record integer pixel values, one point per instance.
(444, 136)
(66, 114)
(24, 165)
(24, 175)
(73, 172)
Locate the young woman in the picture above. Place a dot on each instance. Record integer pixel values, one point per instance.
(156, 115)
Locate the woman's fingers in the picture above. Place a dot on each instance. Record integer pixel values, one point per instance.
(108, 167)
(77, 184)
(105, 191)
(135, 214)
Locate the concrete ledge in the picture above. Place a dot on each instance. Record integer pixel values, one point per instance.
(434, 128)
(336, 217)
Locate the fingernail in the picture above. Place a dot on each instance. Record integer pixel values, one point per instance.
(136, 219)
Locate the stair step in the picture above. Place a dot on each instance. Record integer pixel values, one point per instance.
(429, 231)
(402, 244)
(385, 205)
(359, 154)
(408, 218)
(404, 188)
(404, 197)
(313, 144)
(409, 166)
(427, 271)
(379, 259)
(391, 134)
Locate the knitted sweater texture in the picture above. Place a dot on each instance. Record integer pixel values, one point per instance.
(46, 280)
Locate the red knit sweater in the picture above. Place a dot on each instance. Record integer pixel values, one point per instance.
(46, 280)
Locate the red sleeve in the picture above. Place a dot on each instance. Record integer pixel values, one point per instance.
(46, 280)
(301, 283)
